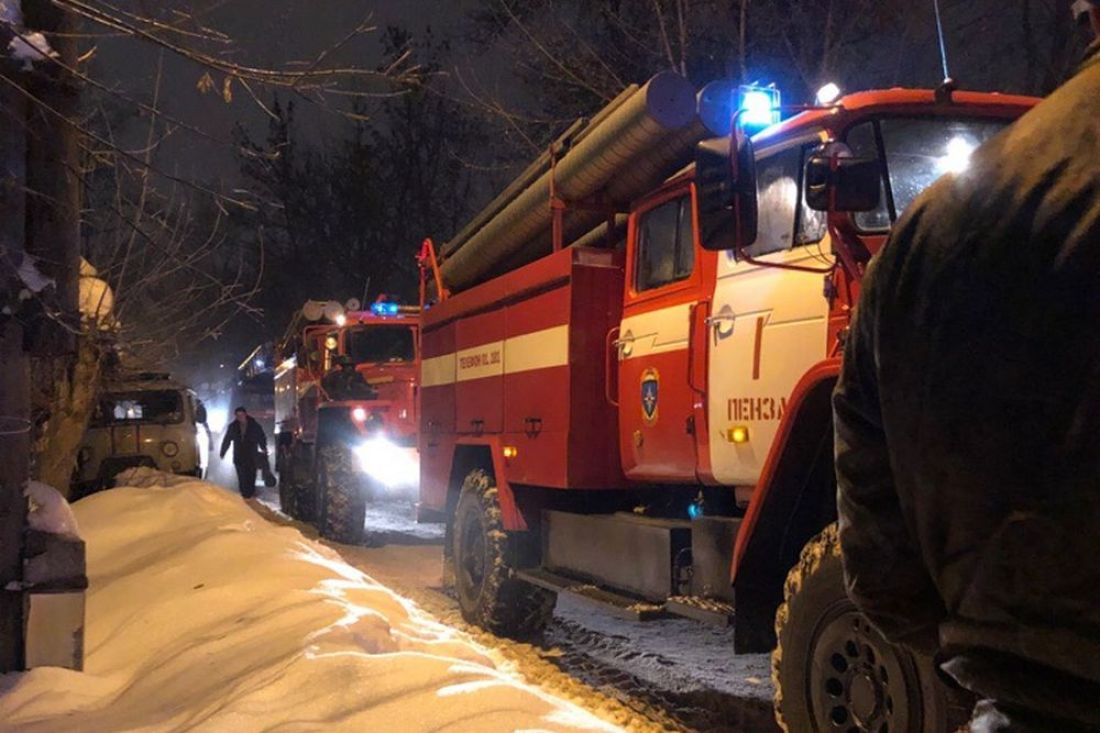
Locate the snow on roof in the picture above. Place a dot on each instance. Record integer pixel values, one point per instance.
(200, 614)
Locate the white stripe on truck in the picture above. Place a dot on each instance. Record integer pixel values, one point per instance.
(537, 350)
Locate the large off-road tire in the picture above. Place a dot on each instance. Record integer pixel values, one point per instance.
(343, 508)
(296, 485)
(484, 557)
(287, 489)
(833, 671)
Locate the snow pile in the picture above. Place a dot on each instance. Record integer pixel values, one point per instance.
(96, 300)
(27, 46)
(49, 512)
(144, 477)
(202, 615)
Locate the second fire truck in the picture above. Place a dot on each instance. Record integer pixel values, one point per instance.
(647, 423)
(345, 410)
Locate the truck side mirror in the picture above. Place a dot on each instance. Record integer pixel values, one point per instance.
(726, 186)
(200, 413)
(842, 184)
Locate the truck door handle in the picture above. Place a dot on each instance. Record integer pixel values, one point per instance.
(624, 344)
(722, 323)
(610, 372)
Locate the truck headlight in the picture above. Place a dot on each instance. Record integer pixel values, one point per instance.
(169, 448)
(391, 465)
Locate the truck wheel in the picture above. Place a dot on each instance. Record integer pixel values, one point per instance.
(301, 489)
(343, 509)
(287, 493)
(483, 556)
(290, 481)
(833, 671)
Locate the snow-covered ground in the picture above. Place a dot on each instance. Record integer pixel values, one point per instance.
(202, 615)
(657, 675)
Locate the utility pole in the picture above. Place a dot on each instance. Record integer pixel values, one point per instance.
(53, 169)
(39, 217)
(53, 238)
(15, 433)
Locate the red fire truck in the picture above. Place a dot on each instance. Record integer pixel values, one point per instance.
(345, 407)
(648, 424)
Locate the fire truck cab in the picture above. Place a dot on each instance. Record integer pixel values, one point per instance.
(650, 426)
(346, 417)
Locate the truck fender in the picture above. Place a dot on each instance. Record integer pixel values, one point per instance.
(793, 500)
(486, 453)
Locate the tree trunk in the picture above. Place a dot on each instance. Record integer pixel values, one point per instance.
(70, 386)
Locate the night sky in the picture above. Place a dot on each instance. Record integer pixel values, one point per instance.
(266, 33)
(983, 42)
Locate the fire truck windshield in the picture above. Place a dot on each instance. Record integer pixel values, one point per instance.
(371, 344)
(917, 152)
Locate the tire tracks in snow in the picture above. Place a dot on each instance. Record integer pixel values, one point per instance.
(591, 669)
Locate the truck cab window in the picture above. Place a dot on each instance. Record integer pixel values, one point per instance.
(665, 245)
(861, 139)
(153, 406)
(917, 151)
(379, 344)
(785, 220)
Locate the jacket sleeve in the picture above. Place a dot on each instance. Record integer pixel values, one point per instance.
(226, 441)
(884, 573)
(261, 438)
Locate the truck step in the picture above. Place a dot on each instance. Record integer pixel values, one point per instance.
(705, 610)
(616, 604)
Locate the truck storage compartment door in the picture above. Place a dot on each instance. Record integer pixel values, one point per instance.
(537, 385)
(437, 413)
(479, 373)
(286, 396)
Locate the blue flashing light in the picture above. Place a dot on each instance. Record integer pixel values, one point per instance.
(759, 106)
(384, 309)
(695, 510)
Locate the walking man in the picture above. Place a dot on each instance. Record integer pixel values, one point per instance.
(968, 422)
(249, 448)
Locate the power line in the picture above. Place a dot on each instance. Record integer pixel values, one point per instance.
(126, 154)
(284, 77)
(130, 100)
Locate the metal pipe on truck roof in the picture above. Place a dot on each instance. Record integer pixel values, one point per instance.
(572, 135)
(597, 163)
(598, 235)
(639, 175)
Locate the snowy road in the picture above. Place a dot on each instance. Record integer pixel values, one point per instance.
(658, 675)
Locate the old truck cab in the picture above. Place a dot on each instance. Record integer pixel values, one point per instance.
(143, 419)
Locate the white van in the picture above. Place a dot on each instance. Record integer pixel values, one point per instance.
(146, 420)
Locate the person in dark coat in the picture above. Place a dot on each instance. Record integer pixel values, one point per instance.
(249, 448)
(968, 422)
(345, 382)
